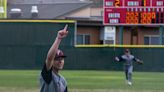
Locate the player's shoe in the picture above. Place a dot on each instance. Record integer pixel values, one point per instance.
(129, 83)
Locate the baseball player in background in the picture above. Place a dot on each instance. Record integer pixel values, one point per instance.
(128, 59)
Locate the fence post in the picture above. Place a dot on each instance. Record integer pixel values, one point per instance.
(161, 35)
(121, 35)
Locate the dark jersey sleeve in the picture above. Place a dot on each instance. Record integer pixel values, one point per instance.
(46, 74)
(121, 59)
(66, 90)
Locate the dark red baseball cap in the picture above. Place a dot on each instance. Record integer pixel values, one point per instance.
(60, 54)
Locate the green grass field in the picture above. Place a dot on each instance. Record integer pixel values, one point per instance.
(83, 81)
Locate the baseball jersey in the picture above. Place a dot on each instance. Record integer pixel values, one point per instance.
(51, 82)
(128, 59)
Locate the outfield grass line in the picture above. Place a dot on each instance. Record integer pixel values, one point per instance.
(83, 81)
(110, 90)
(16, 89)
(107, 77)
(96, 77)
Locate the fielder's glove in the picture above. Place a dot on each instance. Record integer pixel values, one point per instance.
(140, 62)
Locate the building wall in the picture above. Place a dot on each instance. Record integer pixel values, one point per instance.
(128, 39)
(84, 12)
(147, 31)
(127, 35)
(96, 11)
(94, 33)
